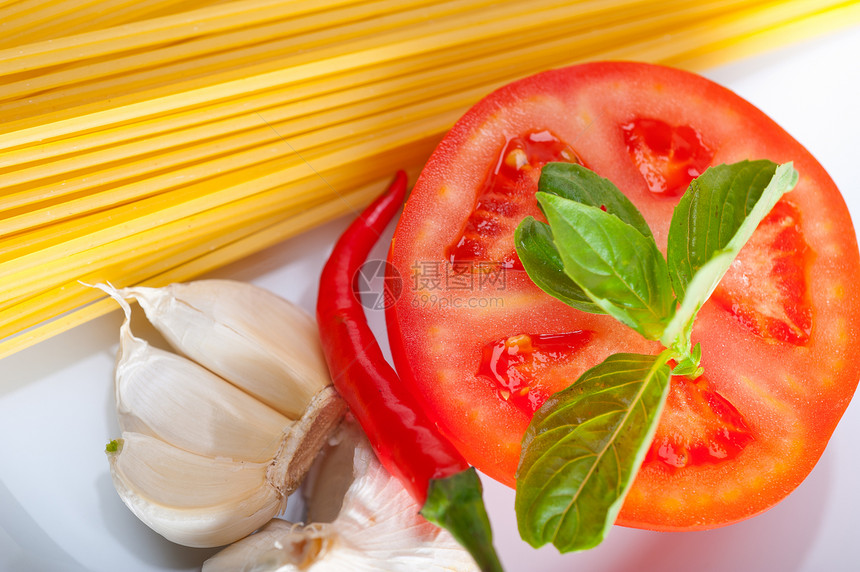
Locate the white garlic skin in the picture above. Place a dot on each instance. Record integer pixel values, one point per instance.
(251, 337)
(378, 527)
(170, 397)
(191, 499)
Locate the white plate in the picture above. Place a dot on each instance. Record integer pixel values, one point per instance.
(59, 511)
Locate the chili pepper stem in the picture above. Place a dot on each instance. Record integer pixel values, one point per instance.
(456, 504)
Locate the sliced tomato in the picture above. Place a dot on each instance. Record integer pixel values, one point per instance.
(483, 347)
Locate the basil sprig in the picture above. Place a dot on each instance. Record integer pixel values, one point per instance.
(534, 239)
(584, 446)
(621, 270)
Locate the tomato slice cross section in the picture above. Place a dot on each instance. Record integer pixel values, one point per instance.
(778, 336)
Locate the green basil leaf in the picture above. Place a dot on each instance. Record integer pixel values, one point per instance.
(621, 270)
(456, 504)
(583, 448)
(575, 182)
(711, 223)
(543, 264)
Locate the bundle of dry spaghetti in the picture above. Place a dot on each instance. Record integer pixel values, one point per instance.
(149, 141)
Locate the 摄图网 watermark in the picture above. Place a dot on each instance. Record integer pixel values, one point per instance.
(435, 284)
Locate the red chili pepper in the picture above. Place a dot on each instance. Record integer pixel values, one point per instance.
(407, 442)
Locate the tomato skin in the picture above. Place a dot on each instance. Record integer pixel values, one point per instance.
(791, 395)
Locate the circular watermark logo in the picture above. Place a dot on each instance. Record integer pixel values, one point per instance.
(378, 284)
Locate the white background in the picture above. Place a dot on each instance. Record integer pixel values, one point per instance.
(59, 511)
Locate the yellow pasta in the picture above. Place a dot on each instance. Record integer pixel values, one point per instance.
(190, 267)
(151, 141)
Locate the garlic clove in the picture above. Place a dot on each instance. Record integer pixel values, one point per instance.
(251, 337)
(165, 395)
(203, 501)
(191, 499)
(378, 526)
(280, 545)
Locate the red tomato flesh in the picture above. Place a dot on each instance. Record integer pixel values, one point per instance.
(776, 259)
(668, 156)
(699, 426)
(505, 199)
(483, 347)
(517, 365)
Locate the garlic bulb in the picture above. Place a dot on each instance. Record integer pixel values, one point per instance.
(244, 333)
(200, 460)
(377, 525)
